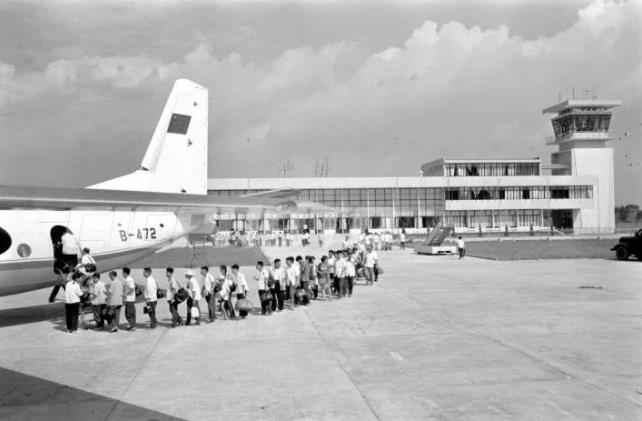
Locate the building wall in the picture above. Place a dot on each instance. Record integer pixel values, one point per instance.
(599, 163)
(420, 202)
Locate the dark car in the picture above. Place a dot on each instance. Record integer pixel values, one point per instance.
(629, 246)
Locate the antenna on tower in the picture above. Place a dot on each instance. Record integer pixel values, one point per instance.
(287, 169)
(321, 167)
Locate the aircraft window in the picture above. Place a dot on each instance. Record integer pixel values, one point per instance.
(5, 241)
(179, 123)
(24, 250)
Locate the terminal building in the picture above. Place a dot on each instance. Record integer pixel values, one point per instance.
(574, 193)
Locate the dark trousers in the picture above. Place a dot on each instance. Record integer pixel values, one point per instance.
(227, 305)
(54, 292)
(130, 313)
(341, 286)
(242, 313)
(277, 296)
(99, 314)
(113, 316)
(188, 319)
(349, 284)
(72, 311)
(461, 251)
(151, 312)
(265, 304)
(210, 303)
(176, 318)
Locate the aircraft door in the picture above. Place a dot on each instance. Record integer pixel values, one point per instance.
(56, 233)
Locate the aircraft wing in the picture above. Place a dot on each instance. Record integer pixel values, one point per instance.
(47, 198)
(274, 194)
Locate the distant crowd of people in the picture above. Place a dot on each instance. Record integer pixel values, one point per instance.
(297, 281)
(379, 240)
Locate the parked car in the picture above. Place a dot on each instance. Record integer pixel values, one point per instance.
(629, 246)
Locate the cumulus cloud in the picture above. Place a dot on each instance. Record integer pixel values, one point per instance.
(447, 90)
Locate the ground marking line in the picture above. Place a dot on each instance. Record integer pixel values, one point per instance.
(153, 348)
(350, 378)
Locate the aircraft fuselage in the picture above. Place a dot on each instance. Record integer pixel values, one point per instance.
(116, 238)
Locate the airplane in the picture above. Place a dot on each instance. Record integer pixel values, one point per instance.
(123, 219)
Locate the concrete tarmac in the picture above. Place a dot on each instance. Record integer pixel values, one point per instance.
(436, 338)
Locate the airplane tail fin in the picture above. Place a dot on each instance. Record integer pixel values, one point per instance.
(176, 158)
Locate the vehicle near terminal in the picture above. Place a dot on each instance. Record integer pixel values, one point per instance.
(629, 246)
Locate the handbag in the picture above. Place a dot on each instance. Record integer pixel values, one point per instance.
(181, 295)
(195, 312)
(266, 296)
(244, 305)
(160, 293)
(90, 268)
(378, 270)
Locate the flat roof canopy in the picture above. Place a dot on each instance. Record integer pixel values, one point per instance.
(602, 103)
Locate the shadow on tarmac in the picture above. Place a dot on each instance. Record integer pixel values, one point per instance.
(31, 314)
(25, 397)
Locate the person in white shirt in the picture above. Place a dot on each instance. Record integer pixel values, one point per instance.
(369, 265)
(151, 299)
(346, 242)
(340, 275)
(351, 272)
(73, 293)
(262, 276)
(277, 277)
(402, 239)
(172, 288)
(223, 295)
(331, 261)
(292, 274)
(461, 247)
(241, 287)
(98, 292)
(87, 265)
(70, 250)
(130, 299)
(114, 301)
(194, 297)
(208, 291)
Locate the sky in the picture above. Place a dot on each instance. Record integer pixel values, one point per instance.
(376, 88)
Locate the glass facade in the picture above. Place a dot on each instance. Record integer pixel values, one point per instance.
(581, 120)
(497, 219)
(519, 193)
(489, 169)
(391, 208)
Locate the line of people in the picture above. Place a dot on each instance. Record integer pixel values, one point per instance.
(278, 286)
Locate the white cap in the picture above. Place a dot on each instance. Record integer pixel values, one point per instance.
(189, 273)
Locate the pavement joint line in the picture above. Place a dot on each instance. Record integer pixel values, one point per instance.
(597, 386)
(335, 351)
(135, 376)
(568, 375)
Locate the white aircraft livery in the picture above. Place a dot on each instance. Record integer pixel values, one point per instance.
(123, 219)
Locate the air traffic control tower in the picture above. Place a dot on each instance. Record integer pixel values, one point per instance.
(582, 138)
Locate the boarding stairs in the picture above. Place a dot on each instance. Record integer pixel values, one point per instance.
(437, 236)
